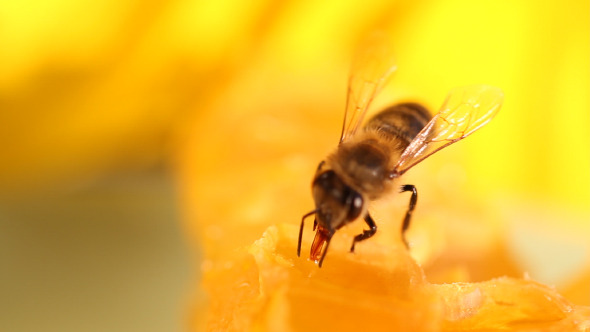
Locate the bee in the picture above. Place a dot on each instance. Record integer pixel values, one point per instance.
(368, 161)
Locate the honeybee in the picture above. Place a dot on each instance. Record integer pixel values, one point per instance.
(368, 161)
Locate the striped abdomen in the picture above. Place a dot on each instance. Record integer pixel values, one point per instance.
(400, 123)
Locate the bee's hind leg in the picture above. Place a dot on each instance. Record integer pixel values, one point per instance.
(411, 207)
(366, 233)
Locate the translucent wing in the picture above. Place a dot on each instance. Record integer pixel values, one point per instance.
(465, 110)
(371, 68)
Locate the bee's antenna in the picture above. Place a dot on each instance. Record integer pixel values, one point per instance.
(301, 230)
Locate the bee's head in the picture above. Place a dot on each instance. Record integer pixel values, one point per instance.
(336, 205)
(336, 202)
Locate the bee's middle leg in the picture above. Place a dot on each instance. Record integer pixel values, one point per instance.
(366, 233)
(411, 207)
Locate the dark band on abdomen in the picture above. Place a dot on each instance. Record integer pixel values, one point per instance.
(400, 121)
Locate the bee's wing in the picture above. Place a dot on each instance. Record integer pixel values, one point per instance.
(371, 68)
(465, 110)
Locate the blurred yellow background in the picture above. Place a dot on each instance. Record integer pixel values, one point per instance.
(225, 95)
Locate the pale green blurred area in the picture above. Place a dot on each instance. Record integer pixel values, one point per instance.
(91, 236)
(103, 256)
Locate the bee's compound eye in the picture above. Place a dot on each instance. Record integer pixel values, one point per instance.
(356, 206)
(357, 202)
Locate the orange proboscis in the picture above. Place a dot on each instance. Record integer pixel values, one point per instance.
(322, 236)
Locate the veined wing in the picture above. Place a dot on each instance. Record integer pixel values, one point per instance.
(465, 110)
(371, 68)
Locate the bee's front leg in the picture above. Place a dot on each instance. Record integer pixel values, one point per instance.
(366, 233)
